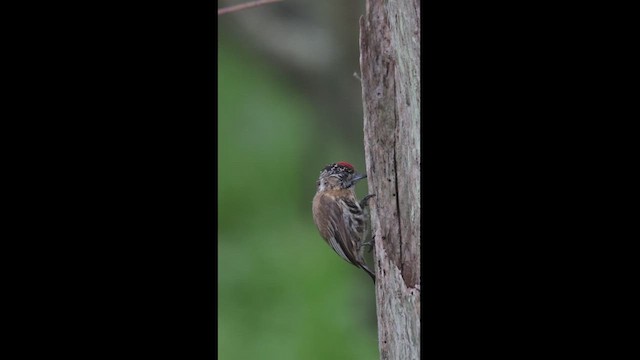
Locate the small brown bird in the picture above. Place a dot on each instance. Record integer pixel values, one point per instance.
(338, 215)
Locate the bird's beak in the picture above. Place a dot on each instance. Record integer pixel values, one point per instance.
(357, 177)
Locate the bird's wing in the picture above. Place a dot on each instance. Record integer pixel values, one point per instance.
(341, 233)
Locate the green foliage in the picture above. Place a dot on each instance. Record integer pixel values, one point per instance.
(283, 294)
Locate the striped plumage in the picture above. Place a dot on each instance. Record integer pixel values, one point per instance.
(338, 215)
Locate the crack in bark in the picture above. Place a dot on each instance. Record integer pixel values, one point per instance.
(395, 171)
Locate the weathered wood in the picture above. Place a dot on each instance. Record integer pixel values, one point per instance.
(390, 74)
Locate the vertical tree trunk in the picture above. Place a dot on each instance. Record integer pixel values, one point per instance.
(389, 64)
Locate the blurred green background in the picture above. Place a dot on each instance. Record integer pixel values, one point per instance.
(288, 104)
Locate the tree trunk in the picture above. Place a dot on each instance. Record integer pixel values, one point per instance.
(389, 64)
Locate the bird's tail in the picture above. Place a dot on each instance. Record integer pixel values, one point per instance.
(365, 268)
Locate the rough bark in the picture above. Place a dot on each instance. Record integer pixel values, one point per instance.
(390, 74)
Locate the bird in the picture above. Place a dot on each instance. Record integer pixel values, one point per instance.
(338, 215)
